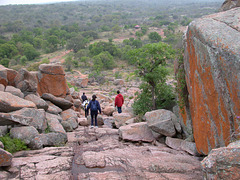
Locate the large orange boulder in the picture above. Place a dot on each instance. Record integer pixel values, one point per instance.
(213, 80)
(51, 79)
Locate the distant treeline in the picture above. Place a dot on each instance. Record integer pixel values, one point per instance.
(99, 15)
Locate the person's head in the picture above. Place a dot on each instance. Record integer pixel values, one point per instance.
(83, 93)
(118, 91)
(94, 97)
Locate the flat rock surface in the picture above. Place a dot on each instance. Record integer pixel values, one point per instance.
(98, 154)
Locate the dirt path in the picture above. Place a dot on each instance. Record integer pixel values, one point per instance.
(59, 58)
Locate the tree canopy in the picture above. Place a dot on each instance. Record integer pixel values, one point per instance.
(150, 61)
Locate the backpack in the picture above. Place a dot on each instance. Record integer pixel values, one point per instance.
(85, 104)
(94, 106)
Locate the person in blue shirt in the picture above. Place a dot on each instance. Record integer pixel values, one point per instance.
(94, 107)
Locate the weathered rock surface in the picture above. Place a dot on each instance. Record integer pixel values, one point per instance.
(82, 121)
(67, 127)
(14, 91)
(53, 109)
(73, 93)
(48, 163)
(9, 102)
(2, 87)
(118, 82)
(7, 76)
(212, 74)
(54, 123)
(103, 98)
(102, 156)
(161, 121)
(98, 154)
(222, 163)
(182, 145)
(73, 122)
(174, 143)
(40, 103)
(37, 115)
(51, 79)
(3, 76)
(58, 101)
(108, 110)
(229, 4)
(25, 133)
(53, 139)
(12, 119)
(120, 119)
(3, 130)
(5, 158)
(136, 132)
(68, 114)
(26, 81)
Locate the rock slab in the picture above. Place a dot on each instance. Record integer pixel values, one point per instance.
(212, 69)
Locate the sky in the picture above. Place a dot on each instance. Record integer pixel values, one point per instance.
(6, 2)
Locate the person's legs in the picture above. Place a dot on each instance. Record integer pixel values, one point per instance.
(96, 120)
(119, 109)
(92, 119)
(86, 113)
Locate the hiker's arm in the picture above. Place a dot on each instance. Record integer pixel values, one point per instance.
(99, 108)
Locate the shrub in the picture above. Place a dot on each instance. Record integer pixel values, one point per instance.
(13, 145)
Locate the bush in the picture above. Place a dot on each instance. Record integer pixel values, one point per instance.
(13, 145)
(143, 102)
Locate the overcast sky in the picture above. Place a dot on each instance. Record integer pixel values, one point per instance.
(6, 2)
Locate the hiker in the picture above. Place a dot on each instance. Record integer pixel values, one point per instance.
(119, 102)
(94, 106)
(85, 104)
(84, 97)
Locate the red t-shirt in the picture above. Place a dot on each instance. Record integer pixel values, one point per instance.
(119, 100)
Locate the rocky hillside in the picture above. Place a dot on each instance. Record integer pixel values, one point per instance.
(40, 109)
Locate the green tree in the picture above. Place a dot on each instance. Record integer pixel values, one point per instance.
(5, 62)
(81, 53)
(23, 60)
(69, 63)
(137, 43)
(77, 43)
(116, 28)
(85, 60)
(30, 52)
(90, 34)
(8, 50)
(139, 34)
(144, 29)
(101, 46)
(53, 42)
(105, 59)
(154, 37)
(150, 61)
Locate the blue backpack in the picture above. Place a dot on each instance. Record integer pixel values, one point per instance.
(94, 106)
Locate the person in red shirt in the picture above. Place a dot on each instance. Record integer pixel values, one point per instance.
(119, 102)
